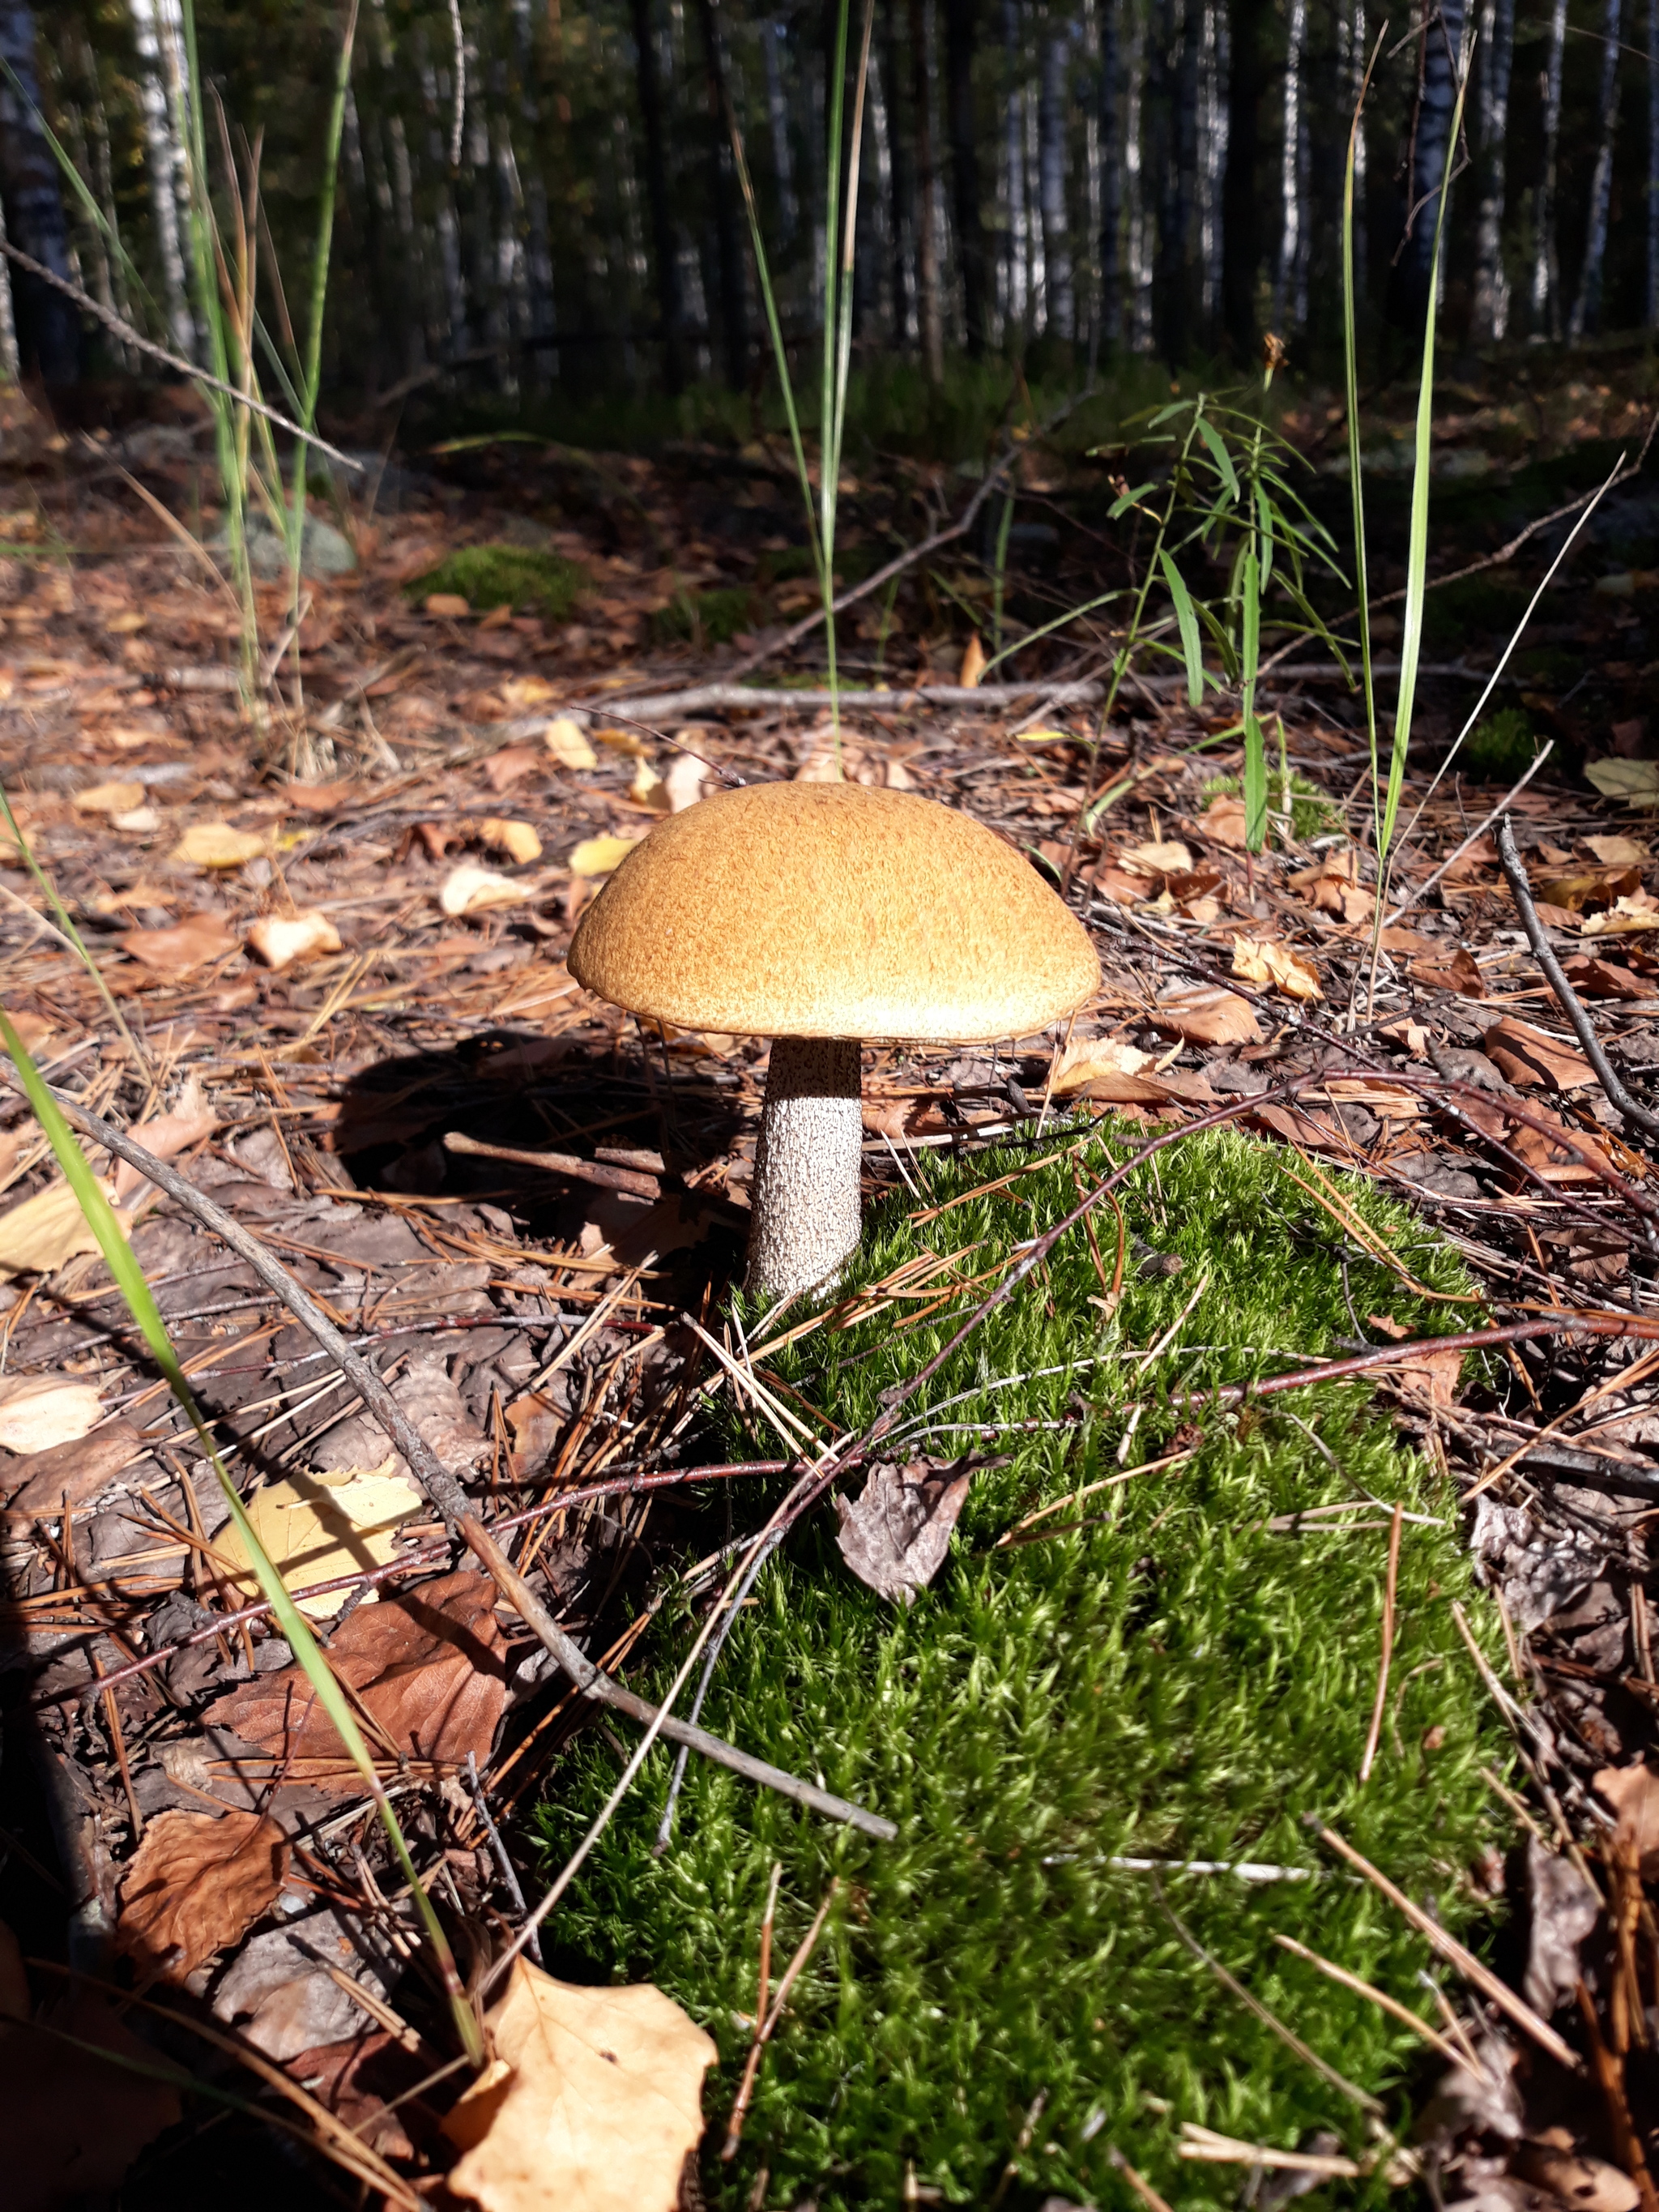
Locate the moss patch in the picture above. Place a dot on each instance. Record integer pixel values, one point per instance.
(1500, 746)
(1312, 814)
(1177, 1671)
(507, 576)
(705, 617)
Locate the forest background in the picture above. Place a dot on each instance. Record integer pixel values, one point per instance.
(538, 208)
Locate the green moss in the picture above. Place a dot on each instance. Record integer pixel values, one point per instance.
(1500, 746)
(1312, 814)
(705, 617)
(507, 576)
(1166, 1676)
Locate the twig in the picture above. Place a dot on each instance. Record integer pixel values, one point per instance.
(1390, 1587)
(558, 1164)
(442, 1489)
(1142, 2188)
(509, 1872)
(734, 2125)
(765, 2028)
(1403, 2013)
(731, 693)
(125, 333)
(1635, 1114)
(1422, 889)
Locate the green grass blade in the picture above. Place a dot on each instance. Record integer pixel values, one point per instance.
(1187, 622)
(1255, 756)
(49, 890)
(129, 1277)
(1356, 477)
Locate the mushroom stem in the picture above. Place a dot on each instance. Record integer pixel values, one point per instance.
(804, 1219)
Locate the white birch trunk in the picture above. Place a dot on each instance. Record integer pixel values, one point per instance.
(1212, 126)
(1587, 304)
(1490, 313)
(1287, 273)
(1058, 282)
(157, 35)
(1137, 213)
(1545, 283)
(1015, 288)
(9, 364)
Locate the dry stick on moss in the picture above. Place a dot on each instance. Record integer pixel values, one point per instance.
(1431, 2036)
(1636, 1114)
(763, 1990)
(441, 1487)
(1390, 1591)
(1456, 1954)
(1142, 2188)
(765, 2029)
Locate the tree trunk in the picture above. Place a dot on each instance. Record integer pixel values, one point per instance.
(1241, 226)
(1213, 157)
(1111, 176)
(777, 110)
(728, 238)
(1137, 220)
(961, 24)
(1545, 277)
(664, 253)
(1587, 307)
(48, 328)
(1436, 100)
(1016, 275)
(1651, 300)
(930, 320)
(1052, 117)
(1289, 173)
(901, 157)
(152, 23)
(1490, 314)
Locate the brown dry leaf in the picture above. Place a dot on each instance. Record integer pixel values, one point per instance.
(450, 603)
(426, 1665)
(109, 798)
(1527, 1057)
(1640, 910)
(598, 856)
(1389, 1102)
(358, 2080)
(37, 1412)
(185, 1123)
(1586, 888)
(1593, 978)
(279, 940)
(217, 845)
(1166, 858)
(1085, 1058)
(72, 2122)
(1407, 1032)
(973, 664)
(197, 1883)
(1633, 1794)
(1443, 970)
(518, 840)
(567, 742)
(511, 765)
(37, 1236)
(1223, 822)
(70, 1473)
(1333, 885)
(1411, 941)
(470, 890)
(317, 1527)
(594, 2100)
(1262, 960)
(1617, 852)
(1568, 2176)
(1436, 1373)
(1204, 1013)
(187, 944)
(894, 1533)
(648, 790)
(1481, 857)
(523, 694)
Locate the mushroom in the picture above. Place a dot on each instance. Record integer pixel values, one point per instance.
(823, 916)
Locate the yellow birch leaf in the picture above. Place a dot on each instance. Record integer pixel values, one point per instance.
(598, 856)
(567, 742)
(516, 839)
(217, 845)
(317, 1527)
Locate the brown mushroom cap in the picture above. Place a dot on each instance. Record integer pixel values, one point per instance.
(829, 911)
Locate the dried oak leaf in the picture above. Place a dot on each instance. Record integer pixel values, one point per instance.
(186, 945)
(356, 2079)
(1593, 978)
(1443, 970)
(894, 1533)
(513, 763)
(1527, 1057)
(594, 2100)
(427, 1666)
(1204, 1013)
(1333, 885)
(1223, 822)
(199, 1881)
(1262, 960)
(1633, 1794)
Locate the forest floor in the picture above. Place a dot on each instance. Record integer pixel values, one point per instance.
(465, 778)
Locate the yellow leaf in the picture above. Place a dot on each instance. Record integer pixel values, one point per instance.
(1166, 858)
(1082, 1061)
(447, 603)
(37, 1236)
(1042, 736)
(281, 939)
(973, 664)
(621, 741)
(216, 845)
(1618, 851)
(109, 798)
(521, 693)
(516, 839)
(566, 741)
(647, 789)
(1259, 960)
(469, 890)
(598, 856)
(593, 2102)
(39, 1411)
(318, 1526)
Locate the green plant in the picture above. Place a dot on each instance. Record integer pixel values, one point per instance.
(1308, 814)
(506, 576)
(1173, 1663)
(705, 617)
(1500, 746)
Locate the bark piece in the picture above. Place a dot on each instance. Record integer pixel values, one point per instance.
(199, 1883)
(427, 1666)
(894, 1535)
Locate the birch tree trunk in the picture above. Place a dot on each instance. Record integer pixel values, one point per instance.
(1545, 276)
(961, 25)
(664, 253)
(728, 240)
(1290, 171)
(1052, 116)
(1016, 270)
(1491, 311)
(1241, 225)
(1437, 98)
(902, 241)
(1111, 176)
(929, 317)
(1212, 155)
(1587, 305)
(155, 33)
(1137, 215)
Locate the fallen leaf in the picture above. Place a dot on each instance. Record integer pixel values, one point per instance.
(450, 603)
(279, 1994)
(1205, 1014)
(1389, 1102)
(1262, 960)
(1398, 939)
(524, 693)
(512, 765)
(109, 798)
(1087, 1057)
(32, 1030)
(1333, 885)
(37, 1412)
(1635, 781)
(141, 823)
(647, 789)
(973, 664)
(894, 1533)
(1633, 1794)
(1450, 971)
(1587, 888)
(518, 840)
(1592, 978)
(622, 741)
(72, 2121)
(37, 1236)
(197, 1884)
(1166, 858)
(594, 2099)
(567, 742)
(1617, 852)
(185, 1123)
(1564, 1909)
(179, 949)
(684, 781)
(317, 1526)
(358, 2080)
(598, 856)
(217, 845)
(279, 940)
(1437, 1374)
(70, 1473)
(470, 889)
(426, 1665)
(1526, 1056)
(1222, 821)
(1572, 2177)
(1411, 1035)
(1639, 911)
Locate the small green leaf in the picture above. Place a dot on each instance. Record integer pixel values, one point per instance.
(1187, 622)
(1129, 499)
(1220, 456)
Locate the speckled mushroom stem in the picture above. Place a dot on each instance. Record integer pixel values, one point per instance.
(806, 1214)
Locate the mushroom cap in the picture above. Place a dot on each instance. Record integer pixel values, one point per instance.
(829, 911)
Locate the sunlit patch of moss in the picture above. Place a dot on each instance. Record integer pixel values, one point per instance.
(523, 576)
(1312, 814)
